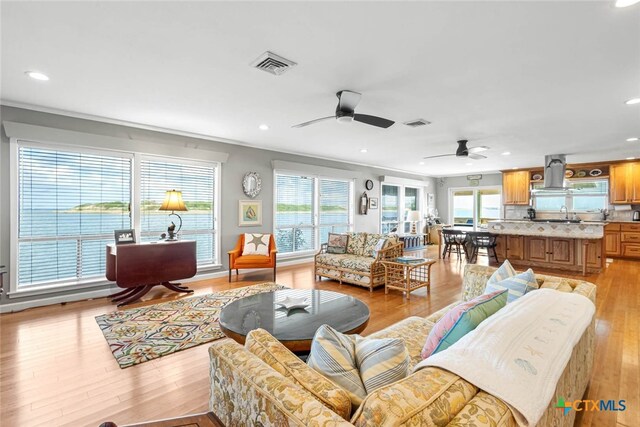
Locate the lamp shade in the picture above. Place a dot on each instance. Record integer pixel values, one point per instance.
(413, 216)
(173, 201)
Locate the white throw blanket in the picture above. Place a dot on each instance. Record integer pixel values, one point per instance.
(519, 353)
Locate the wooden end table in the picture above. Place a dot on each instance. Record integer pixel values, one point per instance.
(407, 276)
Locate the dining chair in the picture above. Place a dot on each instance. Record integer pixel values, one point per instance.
(453, 240)
(481, 240)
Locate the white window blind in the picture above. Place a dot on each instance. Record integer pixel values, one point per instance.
(197, 183)
(69, 205)
(294, 213)
(334, 207)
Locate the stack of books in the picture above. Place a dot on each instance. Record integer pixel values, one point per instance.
(410, 259)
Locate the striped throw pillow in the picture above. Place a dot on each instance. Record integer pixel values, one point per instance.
(507, 278)
(381, 361)
(358, 365)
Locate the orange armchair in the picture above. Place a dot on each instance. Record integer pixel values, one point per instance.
(238, 261)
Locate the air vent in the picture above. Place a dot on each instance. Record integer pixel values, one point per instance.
(272, 63)
(417, 123)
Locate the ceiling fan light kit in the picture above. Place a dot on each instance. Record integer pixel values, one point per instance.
(464, 152)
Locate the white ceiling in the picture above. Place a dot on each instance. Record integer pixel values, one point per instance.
(533, 78)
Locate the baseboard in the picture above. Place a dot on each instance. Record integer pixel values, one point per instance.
(100, 293)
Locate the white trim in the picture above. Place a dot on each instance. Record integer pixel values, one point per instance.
(393, 180)
(68, 137)
(13, 214)
(327, 172)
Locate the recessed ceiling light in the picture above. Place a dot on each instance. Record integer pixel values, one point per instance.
(421, 163)
(36, 75)
(632, 139)
(263, 127)
(514, 168)
(633, 101)
(631, 158)
(506, 153)
(364, 150)
(468, 164)
(626, 3)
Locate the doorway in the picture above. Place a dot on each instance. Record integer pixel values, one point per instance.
(473, 208)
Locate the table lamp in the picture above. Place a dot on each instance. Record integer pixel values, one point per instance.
(173, 202)
(413, 217)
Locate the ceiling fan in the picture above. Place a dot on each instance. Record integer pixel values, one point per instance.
(463, 151)
(345, 112)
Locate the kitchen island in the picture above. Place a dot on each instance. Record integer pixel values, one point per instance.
(570, 246)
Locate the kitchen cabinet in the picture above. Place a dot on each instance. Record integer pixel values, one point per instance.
(553, 250)
(624, 183)
(593, 250)
(515, 187)
(612, 243)
(510, 247)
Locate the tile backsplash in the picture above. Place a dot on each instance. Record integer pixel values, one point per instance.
(520, 212)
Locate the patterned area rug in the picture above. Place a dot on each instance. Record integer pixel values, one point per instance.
(141, 334)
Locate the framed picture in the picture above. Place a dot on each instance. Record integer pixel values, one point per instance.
(373, 203)
(125, 236)
(249, 213)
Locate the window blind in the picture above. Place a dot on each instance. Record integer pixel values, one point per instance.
(334, 207)
(294, 217)
(69, 205)
(197, 183)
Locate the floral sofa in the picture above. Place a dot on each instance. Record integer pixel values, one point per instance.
(254, 386)
(358, 266)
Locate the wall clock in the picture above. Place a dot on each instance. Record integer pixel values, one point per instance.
(368, 184)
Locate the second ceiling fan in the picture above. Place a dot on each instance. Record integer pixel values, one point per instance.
(463, 151)
(345, 112)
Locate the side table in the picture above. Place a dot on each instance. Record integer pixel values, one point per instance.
(407, 276)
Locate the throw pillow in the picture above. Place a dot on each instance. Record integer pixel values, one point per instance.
(382, 243)
(516, 284)
(256, 244)
(337, 243)
(359, 365)
(273, 353)
(461, 320)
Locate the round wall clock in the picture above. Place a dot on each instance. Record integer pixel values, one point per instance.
(368, 184)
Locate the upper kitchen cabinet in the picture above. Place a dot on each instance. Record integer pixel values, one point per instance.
(515, 187)
(624, 183)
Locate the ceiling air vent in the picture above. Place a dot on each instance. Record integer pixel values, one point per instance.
(272, 63)
(417, 123)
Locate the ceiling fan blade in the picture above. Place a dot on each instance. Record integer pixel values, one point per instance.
(478, 149)
(310, 122)
(373, 120)
(348, 100)
(440, 155)
(476, 156)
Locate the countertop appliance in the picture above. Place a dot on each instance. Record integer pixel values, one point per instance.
(636, 215)
(531, 213)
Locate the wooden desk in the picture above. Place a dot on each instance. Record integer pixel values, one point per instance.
(138, 267)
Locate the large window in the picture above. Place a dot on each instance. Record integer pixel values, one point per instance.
(397, 202)
(197, 182)
(475, 207)
(70, 200)
(69, 204)
(582, 196)
(308, 208)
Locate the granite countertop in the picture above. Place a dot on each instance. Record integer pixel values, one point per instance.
(581, 230)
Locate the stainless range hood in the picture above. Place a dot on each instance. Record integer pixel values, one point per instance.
(555, 166)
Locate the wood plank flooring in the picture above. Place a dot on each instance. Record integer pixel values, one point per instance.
(57, 370)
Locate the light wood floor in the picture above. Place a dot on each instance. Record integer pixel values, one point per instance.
(56, 368)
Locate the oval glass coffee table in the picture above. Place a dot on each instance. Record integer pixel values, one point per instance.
(294, 328)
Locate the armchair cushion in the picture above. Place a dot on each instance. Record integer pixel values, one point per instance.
(273, 353)
(250, 261)
(256, 244)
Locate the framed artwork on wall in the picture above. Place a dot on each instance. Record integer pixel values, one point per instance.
(249, 213)
(373, 203)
